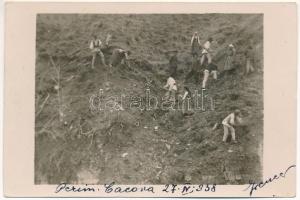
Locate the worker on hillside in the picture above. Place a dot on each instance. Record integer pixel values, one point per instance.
(119, 56)
(107, 40)
(249, 55)
(195, 46)
(229, 122)
(229, 57)
(210, 69)
(206, 52)
(187, 102)
(187, 93)
(95, 46)
(193, 73)
(171, 88)
(195, 51)
(173, 63)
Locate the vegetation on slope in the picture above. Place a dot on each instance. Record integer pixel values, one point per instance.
(76, 145)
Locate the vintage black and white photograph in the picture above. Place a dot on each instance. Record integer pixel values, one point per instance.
(149, 99)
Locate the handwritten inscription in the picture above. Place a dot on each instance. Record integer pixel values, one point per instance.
(109, 188)
(188, 188)
(255, 186)
(71, 188)
(168, 188)
(112, 188)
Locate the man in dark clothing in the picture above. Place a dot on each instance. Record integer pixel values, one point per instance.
(118, 56)
(195, 51)
(249, 55)
(194, 72)
(230, 57)
(173, 62)
(195, 46)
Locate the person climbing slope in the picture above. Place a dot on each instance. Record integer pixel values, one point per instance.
(187, 93)
(118, 56)
(173, 63)
(229, 122)
(171, 88)
(206, 52)
(95, 46)
(187, 102)
(249, 55)
(195, 46)
(210, 69)
(230, 54)
(108, 39)
(195, 51)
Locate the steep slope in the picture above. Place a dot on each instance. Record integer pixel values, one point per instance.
(88, 146)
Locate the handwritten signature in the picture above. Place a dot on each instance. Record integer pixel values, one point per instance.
(255, 186)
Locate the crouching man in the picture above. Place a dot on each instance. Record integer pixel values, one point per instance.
(172, 89)
(118, 57)
(229, 122)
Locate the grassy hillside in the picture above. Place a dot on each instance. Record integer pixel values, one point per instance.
(82, 146)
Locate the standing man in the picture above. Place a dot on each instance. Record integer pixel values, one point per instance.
(212, 69)
(173, 63)
(187, 102)
(195, 46)
(95, 46)
(230, 57)
(229, 122)
(249, 55)
(107, 40)
(196, 52)
(187, 93)
(206, 52)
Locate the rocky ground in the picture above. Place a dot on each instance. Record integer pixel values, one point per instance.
(74, 144)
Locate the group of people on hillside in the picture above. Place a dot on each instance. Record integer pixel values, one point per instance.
(118, 55)
(201, 58)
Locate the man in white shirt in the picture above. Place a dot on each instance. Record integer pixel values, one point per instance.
(95, 46)
(172, 89)
(228, 123)
(206, 52)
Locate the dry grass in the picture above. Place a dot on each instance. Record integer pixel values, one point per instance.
(110, 147)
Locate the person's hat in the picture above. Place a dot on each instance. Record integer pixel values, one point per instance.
(231, 45)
